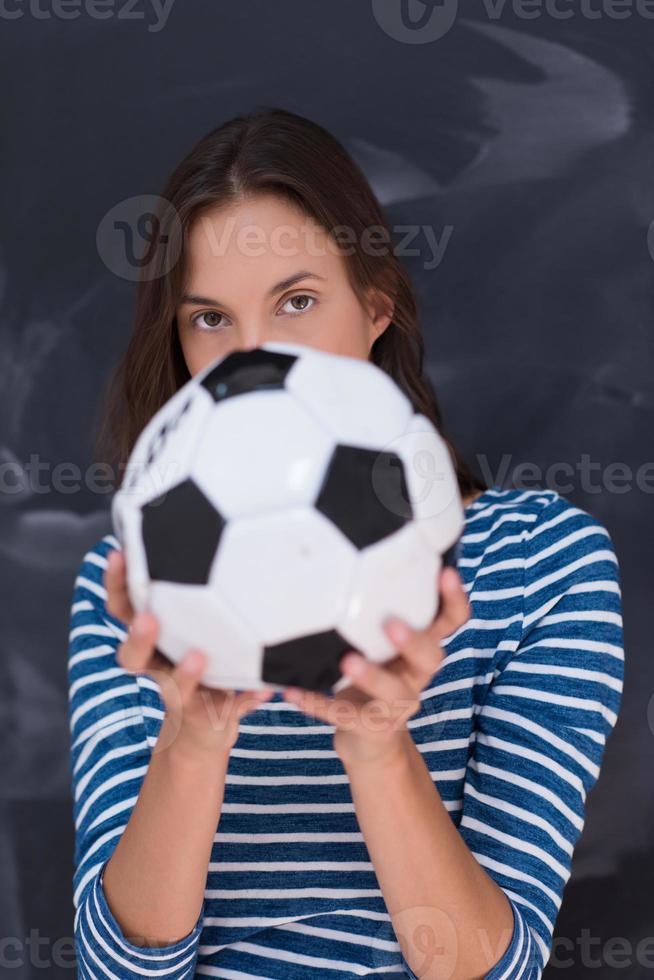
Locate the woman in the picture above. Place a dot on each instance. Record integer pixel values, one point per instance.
(421, 822)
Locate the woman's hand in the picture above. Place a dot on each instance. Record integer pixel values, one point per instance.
(197, 717)
(370, 714)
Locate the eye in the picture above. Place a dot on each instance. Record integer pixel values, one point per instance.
(211, 322)
(300, 296)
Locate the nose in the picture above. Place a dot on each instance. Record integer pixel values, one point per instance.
(251, 336)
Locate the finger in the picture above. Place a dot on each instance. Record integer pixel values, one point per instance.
(455, 608)
(115, 580)
(376, 680)
(420, 649)
(136, 653)
(183, 678)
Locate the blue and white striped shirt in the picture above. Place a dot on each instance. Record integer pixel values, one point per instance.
(512, 728)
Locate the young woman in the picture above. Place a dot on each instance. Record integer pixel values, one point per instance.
(422, 821)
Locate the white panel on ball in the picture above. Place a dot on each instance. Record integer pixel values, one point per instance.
(354, 399)
(169, 440)
(432, 483)
(136, 567)
(260, 452)
(394, 577)
(286, 574)
(208, 623)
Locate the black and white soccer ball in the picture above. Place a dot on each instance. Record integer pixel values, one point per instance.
(278, 508)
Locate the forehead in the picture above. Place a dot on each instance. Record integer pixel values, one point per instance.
(263, 236)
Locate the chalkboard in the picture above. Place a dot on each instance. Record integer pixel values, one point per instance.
(517, 143)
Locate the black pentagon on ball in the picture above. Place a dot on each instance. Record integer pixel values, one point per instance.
(248, 370)
(181, 530)
(309, 661)
(364, 493)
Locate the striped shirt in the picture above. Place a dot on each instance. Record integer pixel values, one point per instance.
(512, 728)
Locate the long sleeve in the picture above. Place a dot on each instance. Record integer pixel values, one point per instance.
(110, 753)
(543, 725)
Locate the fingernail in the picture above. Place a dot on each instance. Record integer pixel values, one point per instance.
(398, 630)
(353, 663)
(191, 662)
(140, 626)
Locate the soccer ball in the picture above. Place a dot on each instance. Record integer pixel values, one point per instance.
(278, 508)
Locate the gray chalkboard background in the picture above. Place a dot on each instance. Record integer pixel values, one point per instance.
(524, 139)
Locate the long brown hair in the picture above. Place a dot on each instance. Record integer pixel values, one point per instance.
(268, 150)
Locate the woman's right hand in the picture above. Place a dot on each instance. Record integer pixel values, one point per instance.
(197, 717)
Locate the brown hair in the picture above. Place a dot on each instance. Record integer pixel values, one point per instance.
(275, 151)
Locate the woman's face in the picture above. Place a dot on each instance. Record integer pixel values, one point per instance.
(262, 271)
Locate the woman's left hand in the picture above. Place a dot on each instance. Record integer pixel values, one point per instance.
(370, 714)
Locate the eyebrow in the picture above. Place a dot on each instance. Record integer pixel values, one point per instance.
(278, 288)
